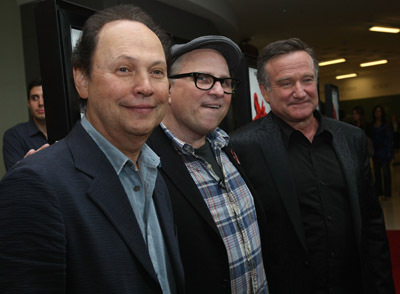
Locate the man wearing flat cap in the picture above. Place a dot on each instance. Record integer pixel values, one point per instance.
(214, 207)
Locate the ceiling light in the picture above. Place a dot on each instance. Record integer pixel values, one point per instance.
(329, 62)
(352, 75)
(372, 63)
(384, 29)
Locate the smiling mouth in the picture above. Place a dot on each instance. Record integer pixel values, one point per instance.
(212, 106)
(300, 103)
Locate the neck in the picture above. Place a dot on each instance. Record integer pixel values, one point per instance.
(41, 124)
(183, 134)
(308, 127)
(130, 147)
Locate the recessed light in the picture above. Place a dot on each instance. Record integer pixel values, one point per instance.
(372, 63)
(384, 29)
(333, 61)
(352, 75)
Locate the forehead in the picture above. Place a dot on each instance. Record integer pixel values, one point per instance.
(36, 90)
(124, 36)
(204, 60)
(298, 61)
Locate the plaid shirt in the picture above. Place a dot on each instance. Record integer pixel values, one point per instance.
(232, 207)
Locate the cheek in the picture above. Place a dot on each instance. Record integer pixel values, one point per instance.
(311, 90)
(163, 94)
(280, 96)
(227, 99)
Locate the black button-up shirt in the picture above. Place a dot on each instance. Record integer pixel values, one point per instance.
(325, 209)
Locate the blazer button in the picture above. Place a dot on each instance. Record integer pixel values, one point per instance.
(307, 263)
(136, 188)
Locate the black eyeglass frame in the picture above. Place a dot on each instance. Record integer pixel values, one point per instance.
(195, 76)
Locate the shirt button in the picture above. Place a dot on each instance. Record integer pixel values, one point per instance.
(136, 188)
(329, 218)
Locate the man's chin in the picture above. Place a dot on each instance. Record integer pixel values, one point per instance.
(41, 118)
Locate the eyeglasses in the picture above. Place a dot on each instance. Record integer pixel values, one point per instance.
(206, 81)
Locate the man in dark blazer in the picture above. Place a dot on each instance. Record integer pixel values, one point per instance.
(325, 226)
(91, 214)
(214, 208)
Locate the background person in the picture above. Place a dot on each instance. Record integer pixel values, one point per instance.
(213, 206)
(18, 140)
(382, 137)
(91, 214)
(358, 114)
(325, 227)
(360, 122)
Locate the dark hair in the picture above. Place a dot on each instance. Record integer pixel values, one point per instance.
(359, 110)
(83, 53)
(383, 117)
(278, 48)
(34, 83)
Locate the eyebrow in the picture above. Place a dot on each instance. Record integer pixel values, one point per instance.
(284, 79)
(290, 78)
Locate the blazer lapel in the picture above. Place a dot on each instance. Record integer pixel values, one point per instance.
(347, 163)
(277, 160)
(108, 194)
(176, 171)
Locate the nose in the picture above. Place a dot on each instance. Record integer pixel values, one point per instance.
(217, 89)
(41, 101)
(143, 85)
(298, 91)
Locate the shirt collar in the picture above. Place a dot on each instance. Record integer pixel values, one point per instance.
(218, 140)
(33, 128)
(287, 130)
(117, 159)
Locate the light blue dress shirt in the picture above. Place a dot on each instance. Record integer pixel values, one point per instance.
(139, 186)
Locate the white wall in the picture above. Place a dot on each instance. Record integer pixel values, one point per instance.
(385, 84)
(12, 74)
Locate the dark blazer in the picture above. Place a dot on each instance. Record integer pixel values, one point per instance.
(203, 252)
(66, 225)
(261, 151)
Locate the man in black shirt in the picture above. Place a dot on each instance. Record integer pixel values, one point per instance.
(18, 140)
(325, 227)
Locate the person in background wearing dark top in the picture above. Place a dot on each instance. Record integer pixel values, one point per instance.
(359, 117)
(91, 213)
(396, 131)
(214, 208)
(23, 137)
(382, 138)
(325, 226)
(360, 122)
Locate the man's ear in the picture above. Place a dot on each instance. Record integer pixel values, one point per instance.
(264, 92)
(81, 83)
